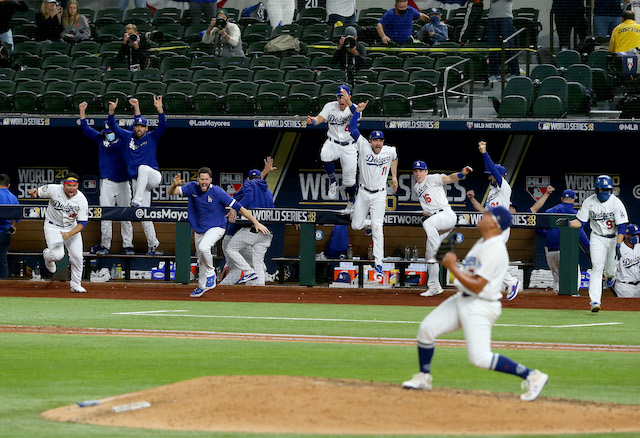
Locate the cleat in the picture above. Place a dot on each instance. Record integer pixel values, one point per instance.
(378, 275)
(135, 204)
(420, 381)
(197, 292)
(152, 250)
(368, 231)
(102, 251)
(432, 292)
(211, 282)
(513, 290)
(348, 209)
(534, 383)
(50, 265)
(78, 290)
(129, 251)
(247, 278)
(606, 284)
(333, 190)
(595, 307)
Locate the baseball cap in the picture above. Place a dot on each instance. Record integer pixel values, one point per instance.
(343, 87)
(350, 30)
(500, 168)
(433, 11)
(222, 11)
(107, 128)
(255, 173)
(569, 194)
(140, 121)
(377, 134)
(632, 229)
(420, 165)
(502, 216)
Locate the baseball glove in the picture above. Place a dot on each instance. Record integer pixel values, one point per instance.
(447, 245)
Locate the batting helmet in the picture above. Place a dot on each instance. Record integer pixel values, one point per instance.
(604, 187)
(632, 229)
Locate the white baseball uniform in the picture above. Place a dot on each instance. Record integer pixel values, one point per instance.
(603, 218)
(372, 193)
(501, 195)
(439, 222)
(62, 215)
(339, 145)
(627, 283)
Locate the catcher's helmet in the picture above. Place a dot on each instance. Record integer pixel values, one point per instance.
(604, 187)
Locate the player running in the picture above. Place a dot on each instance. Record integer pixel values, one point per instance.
(475, 308)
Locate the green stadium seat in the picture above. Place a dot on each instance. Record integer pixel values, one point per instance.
(145, 93)
(372, 92)
(109, 16)
(166, 15)
(207, 75)
(302, 99)
(92, 93)
(333, 76)
(209, 98)
(555, 86)
(172, 62)
(238, 75)
(268, 75)
(264, 61)
(580, 73)
(117, 75)
(387, 62)
(55, 48)
(27, 97)
(87, 74)
(57, 97)
(240, 98)
(58, 74)
(567, 58)
(270, 99)
(578, 99)
(295, 62)
(313, 15)
(57, 61)
(146, 75)
(177, 75)
(548, 106)
(298, 76)
(392, 76)
(419, 62)
(137, 16)
(29, 74)
(86, 61)
(542, 71)
(177, 99)
(7, 74)
(7, 88)
(121, 90)
(514, 106)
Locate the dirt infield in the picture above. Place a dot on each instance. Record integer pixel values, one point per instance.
(286, 404)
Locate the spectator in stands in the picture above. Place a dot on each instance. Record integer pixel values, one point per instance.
(500, 27)
(626, 35)
(280, 12)
(134, 49)
(76, 25)
(568, 15)
(634, 5)
(49, 21)
(606, 16)
(471, 28)
(224, 35)
(343, 11)
(7, 9)
(435, 31)
(124, 4)
(202, 11)
(396, 25)
(7, 226)
(350, 54)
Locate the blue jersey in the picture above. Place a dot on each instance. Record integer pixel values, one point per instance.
(139, 151)
(207, 209)
(254, 194)
(399, 27)
(110, 154)
(7, 198)
(552, 235)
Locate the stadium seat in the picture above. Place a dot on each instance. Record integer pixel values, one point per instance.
(301, 100)
(599, 59)
(55, 48)
(7, 88)
(255, 48)
(295, 62)
(192, 32)
(58, 74)
(580, 73)
(235, 62)
(27, 96)
(293, 29)
(309, 16)
(209, 98)
(548, 106)
(264, 61)
(29, 74)
(90, 13)
(167, 15)
(206, 61)
(392, 76)
(207, 75)
(542, 71)
(146, 91)
(578, 99)
(57, 97)
(514, 106)
(270, 99)
(388, 62)
(7, 74)
(109, 16)
(555, 86)
(110, 48)
(240, 98)
(368, 91)
(146, 75)
(26, 60)
(171, 31)
(268, 75)
(298, 76)
(567, 58)
(86, 61)
(366, 75)
(57, 61)
(177, 99)
(315, 33)
(137, 16)
(425, 97)
(177, 75)
(324, 63)
(117, 75)
(395, 100)
(109, 32)
(420, 62)
(27, 48)
(90, 92)
(431, 75)
(333, 76)
(199, 48)
(256, 32)
(24, 32)
(121, 90)
(603, 87)
(237, 75)
(370, 16)
(87, 74)
(171, 62)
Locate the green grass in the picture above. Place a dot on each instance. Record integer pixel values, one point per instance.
(40, 372)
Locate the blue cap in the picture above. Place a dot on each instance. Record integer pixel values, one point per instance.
(500, 168)
(139, 120)
(420, 165)
(502, 216)
(343, 277)
(569, 194)
(107, 129)
(632, 229)
(376, 134)
(343, 87)
(255, 173)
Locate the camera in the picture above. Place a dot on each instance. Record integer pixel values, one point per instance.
(133, 38)
(221, 23)
(349, 42)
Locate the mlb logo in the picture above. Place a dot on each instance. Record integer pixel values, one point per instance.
(231, 182)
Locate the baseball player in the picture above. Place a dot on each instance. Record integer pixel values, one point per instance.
(375, 161)
(499, 194)
(607, 217)
(339, 145)
(66, 216)
(475, 308)
(140, 156)
(206, 208)
(552, 236)
(439, 217)
(254, 194)
(115, 189)
(627, 279)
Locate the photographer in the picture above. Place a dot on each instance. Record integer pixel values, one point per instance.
(226, 36)
(134, 49)
(351, 54)
(49, 21)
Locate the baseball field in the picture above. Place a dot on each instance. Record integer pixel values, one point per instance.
(291, 361)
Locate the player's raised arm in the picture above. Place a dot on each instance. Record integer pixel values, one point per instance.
(353, 124)
(457, 176)
(488, 163)
(175, 185)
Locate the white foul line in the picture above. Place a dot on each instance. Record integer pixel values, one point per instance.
(373, 321)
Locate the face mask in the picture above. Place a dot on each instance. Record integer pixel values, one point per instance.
(110, 136)
(633, 240)
(603, 196)
(435, 19)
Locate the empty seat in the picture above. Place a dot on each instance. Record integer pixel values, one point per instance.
(177, 75)
(178, 97)
(268, 75)
(542, 71)
(270, 99)
(58, 74)
(90, 92)
(209, 98)
(240, 98)
(514, 106)
(238, 75)
(207, 75)
(567, 58)
(57, 97)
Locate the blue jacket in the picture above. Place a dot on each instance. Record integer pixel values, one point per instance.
(110, 154)
(254, 194)
(552, 235)
(7, 198)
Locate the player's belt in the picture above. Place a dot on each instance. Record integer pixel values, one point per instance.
(435, 212)
(633, 283)
(608, 236)
(342, 143)
(371, 191)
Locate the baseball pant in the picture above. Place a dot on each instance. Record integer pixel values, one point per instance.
(437, 227)
(373, 204)
(553, 260)
(204, 242)
(348, 156)
(603, 261)
(474, 315)
(234, 272)
(259, 244)
(509, 280)
(148, 179)
(627, 290)
(115, 194)
(280, 12)
(56, 245)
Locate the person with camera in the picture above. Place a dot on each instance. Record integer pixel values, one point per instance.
(134, 49)
(224, 35)
(7, 9)
(76, 25)
(49, 21)
(350, 54)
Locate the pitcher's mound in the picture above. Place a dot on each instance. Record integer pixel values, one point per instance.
(285, 404)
